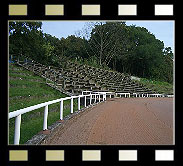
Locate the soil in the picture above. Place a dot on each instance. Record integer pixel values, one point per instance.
(119, 121)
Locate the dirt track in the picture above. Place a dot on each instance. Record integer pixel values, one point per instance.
(141, 121)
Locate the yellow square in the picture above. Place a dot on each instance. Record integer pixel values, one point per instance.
(90, 9)
(127, 9)
(91, 155)
(127, 155)
(54, 155)
(18, 155)
(54, 10)
(17, 10)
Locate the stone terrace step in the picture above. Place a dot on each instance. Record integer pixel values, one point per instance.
(77, 77)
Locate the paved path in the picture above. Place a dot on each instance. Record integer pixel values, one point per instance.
(141, 121)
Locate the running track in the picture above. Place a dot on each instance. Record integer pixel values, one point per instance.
(125, 121)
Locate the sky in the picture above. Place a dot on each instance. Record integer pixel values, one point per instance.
(163, 30)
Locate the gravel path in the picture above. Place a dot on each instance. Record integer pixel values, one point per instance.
(130, 121)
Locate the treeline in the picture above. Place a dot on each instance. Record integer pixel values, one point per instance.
(112, 45)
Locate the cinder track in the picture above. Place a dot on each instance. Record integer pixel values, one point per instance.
(125, 121)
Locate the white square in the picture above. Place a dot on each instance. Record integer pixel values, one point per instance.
(163, 9)
(127, 155)
(164, 155)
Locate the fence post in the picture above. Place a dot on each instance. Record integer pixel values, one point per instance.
(71, 105)
(61, 110)
(95, 98)
(85, 101)
(45, 117)
(78, 103)
(105, 98)
(90, 99)
(99, 98)
(17, 130)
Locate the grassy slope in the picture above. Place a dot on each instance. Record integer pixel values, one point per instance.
(158, 86)
(27, 89)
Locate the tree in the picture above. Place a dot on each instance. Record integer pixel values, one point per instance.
(127, 49)
(25, 38)
(101, 40)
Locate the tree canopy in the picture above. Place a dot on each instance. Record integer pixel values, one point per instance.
(113, 45)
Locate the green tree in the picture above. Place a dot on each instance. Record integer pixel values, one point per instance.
(23, 37)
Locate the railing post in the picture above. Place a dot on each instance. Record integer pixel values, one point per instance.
(78, 103)
(103, 97)
(85, 101)
(99, 98)
(45, 117)
(17, 130)
(95, 98)
(71, 105)
(90, 98)
(61, 109)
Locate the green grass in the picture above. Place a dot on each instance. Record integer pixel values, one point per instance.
(27, 89)
(31, 126)
(158, 86)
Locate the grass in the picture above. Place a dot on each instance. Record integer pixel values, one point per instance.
(27, 89)
(158, 86)
(33, 125)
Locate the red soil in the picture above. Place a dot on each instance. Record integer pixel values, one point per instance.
(125, 121)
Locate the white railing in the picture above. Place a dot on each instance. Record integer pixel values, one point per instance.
(106, 94)
(142, 95)
(156, 95)
(170, 95)
(97, 96)
(123, 94)
(17, 114)
(101, 93)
